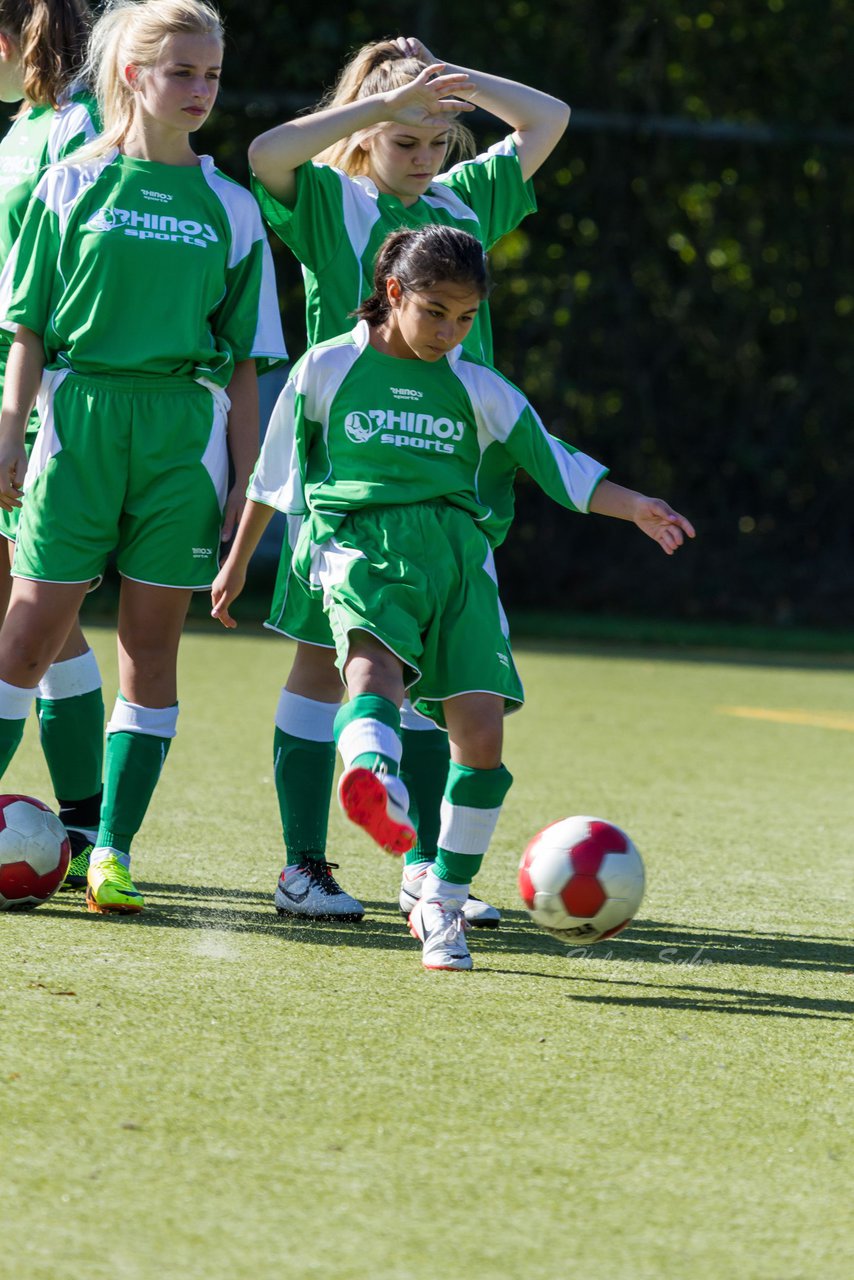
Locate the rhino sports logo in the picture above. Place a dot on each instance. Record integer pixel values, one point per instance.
(359, 427)
(404, 429)
(152, 226)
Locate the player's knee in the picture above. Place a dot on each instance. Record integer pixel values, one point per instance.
(314, 674)
(479, 746)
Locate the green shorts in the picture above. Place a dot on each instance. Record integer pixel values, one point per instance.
(131, 465)
(296, 610)
(9, 519)
(421, 579)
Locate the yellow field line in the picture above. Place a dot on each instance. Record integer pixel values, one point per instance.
(815, 719)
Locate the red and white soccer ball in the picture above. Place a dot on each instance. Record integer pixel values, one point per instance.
(582, 879)
(34, 853)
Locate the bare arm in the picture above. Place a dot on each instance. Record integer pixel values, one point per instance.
(654, 517)
(21, 384)
(426, 101)
(537, 119)
(231, 578)
(243, 439)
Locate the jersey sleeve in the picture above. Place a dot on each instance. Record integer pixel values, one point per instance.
(278, 480)
(72, 128)
(492, 185)
(29, 276)
(563, 472)
(247, 320)
(314, 226)
(505, 418)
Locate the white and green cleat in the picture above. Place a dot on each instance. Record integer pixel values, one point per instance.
(110, 888)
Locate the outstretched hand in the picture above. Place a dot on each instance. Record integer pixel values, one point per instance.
(431, 100)
(661, 523)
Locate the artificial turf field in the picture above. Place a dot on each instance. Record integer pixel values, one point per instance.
(207, 1092)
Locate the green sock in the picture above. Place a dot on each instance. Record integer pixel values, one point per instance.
(11, 733)
(133, 763)
(468, 833)
(424, 770)
(72, 737)
(367, 731)
(303, 772)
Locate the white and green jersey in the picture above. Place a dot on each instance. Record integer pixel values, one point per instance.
(39, 137)
(128, 266)
(338, 223)
(355, 428)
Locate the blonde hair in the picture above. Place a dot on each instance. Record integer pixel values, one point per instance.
(133, 32)
(378, 68)
(51, 38)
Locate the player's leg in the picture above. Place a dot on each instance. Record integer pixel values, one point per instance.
(367, 731)
(424, 769)
(166, 546)
(303, 768)
(139, 734)
(37, 621)
(70, 708)
(474, 793)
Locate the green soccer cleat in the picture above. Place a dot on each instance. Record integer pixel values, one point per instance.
(81, 850)
(110, 888)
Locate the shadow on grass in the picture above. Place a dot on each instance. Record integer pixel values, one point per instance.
(721, 1000)
(658, 941)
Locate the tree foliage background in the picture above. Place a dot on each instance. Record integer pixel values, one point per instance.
(682, 304)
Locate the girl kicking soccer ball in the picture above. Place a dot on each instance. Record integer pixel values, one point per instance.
(400, 449)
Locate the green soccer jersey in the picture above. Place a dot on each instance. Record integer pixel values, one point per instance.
(128, 266)
(356, 428)
(39, 137)
(338, 223)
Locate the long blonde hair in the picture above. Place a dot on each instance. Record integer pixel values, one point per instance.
(133, 32)
(378, 68)
(51, 38)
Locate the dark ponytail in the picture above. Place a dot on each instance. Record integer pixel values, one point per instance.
(51, 36)
(421, 257)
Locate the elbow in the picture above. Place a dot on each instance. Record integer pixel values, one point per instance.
(256, 154)
(561, 118)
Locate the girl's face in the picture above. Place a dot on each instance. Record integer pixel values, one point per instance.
(179, 90)
(11, 70)
(403, 160)
(429, 324)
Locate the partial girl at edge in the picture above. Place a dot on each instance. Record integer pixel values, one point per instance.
(42, 52)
